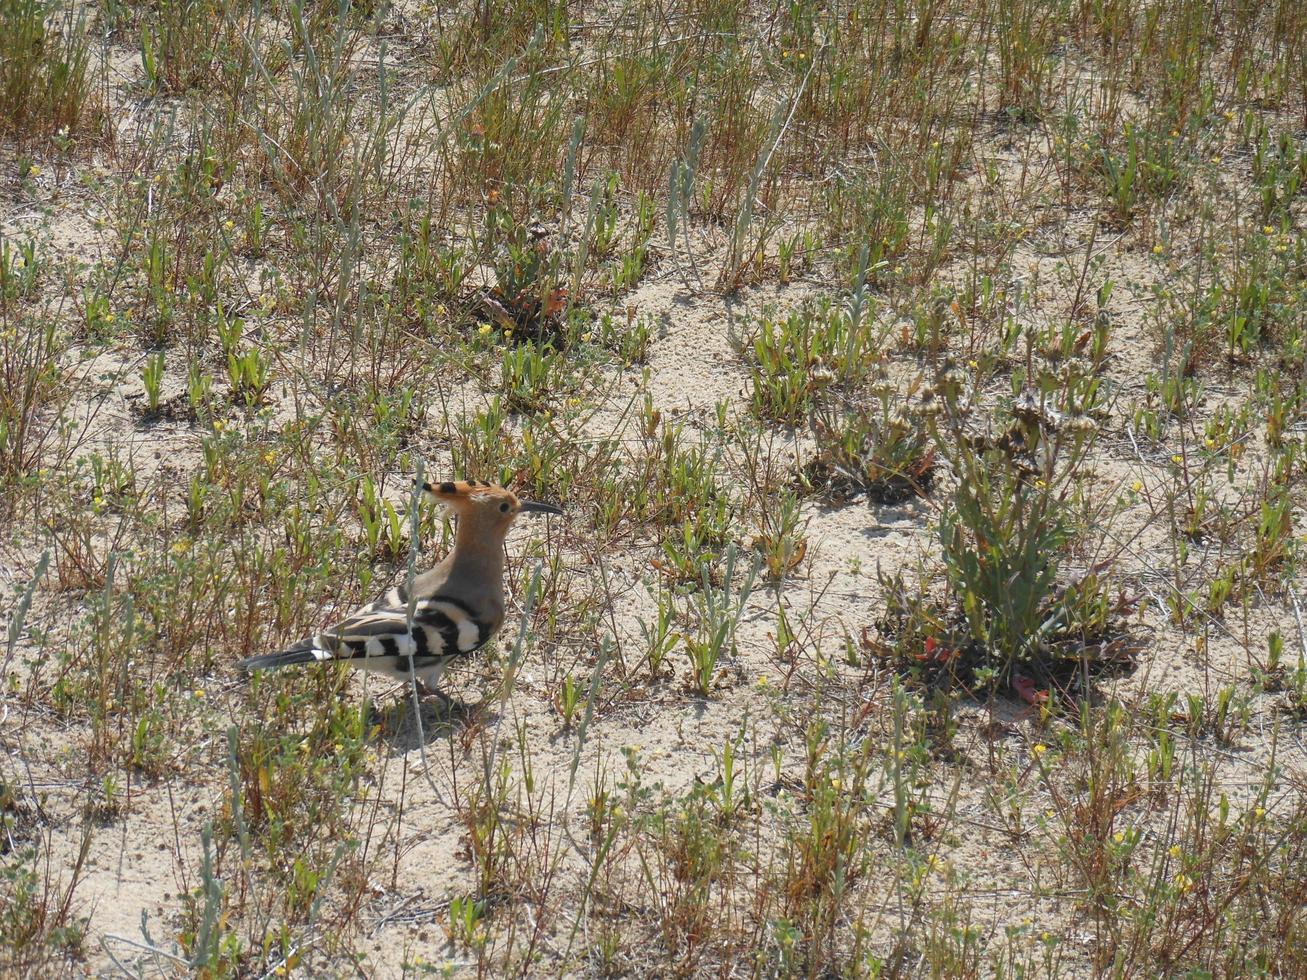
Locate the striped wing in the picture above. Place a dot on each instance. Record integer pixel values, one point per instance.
(378, 638)
(443, 628)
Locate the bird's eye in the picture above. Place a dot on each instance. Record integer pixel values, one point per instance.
(504, 507)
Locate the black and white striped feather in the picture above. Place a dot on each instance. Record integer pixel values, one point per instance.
(378, 638)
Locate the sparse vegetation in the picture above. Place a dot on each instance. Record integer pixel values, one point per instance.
(926, 387)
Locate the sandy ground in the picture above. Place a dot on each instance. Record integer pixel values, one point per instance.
(144, 855)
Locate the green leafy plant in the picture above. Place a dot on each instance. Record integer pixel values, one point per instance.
(717, 614)
(1006, 526)
(152, 378)
(884, 450)
(798, 360)
(47, 84)
(249, 375)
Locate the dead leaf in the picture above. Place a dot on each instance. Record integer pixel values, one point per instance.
(1025, 687)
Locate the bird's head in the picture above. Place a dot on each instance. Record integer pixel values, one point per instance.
(482, 503)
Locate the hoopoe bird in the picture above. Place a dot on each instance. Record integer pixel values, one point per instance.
(458, 607)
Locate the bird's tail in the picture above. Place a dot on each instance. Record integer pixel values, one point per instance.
(303, 652)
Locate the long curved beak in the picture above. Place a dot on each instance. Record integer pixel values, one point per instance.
(536, 507)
